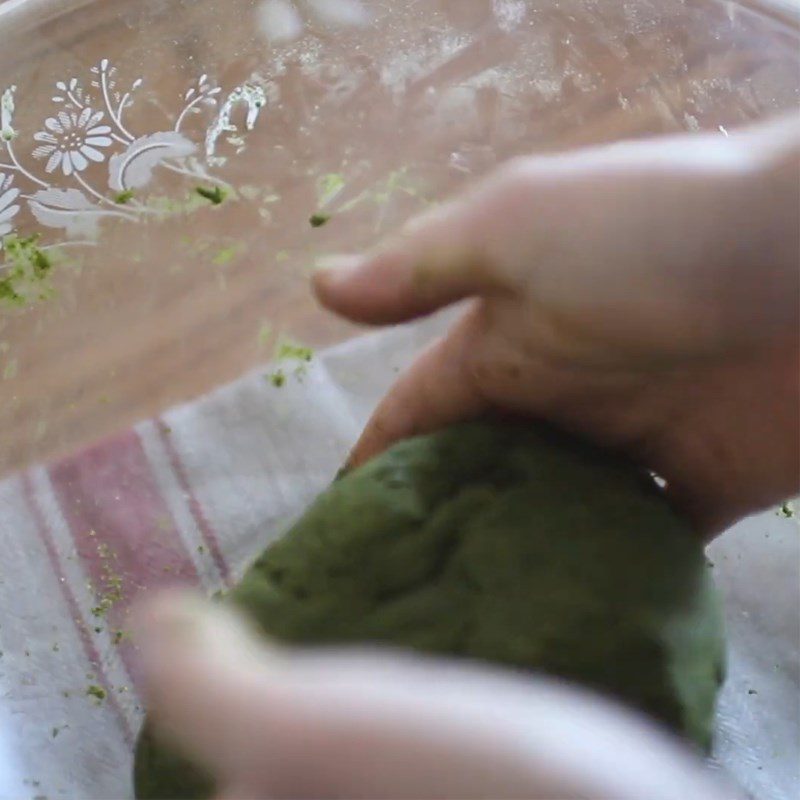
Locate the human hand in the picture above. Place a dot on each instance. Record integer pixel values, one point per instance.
(275, 723)
(643, 294)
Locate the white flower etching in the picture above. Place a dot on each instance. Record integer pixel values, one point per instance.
(133, 168)
(89, 125)
(72, 140)
(8, 208)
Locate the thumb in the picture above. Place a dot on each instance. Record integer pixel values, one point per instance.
(444, 256)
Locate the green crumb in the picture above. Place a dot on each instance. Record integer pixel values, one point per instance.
(124, 197)
(216, 195)
(752, 691)
(24, 271)
(277, 378)
(291, 351)
(41, 263)
(120, 636)
(227, 254)
(98, 692)
(296, 352)
(786, 510)
(318, 220)
(201, 549)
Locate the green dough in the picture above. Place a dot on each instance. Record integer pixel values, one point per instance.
(503, 542)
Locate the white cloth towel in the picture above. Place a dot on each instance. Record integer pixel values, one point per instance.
(193, 496)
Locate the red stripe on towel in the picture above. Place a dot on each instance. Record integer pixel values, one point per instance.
(123, 531)
(196, 510)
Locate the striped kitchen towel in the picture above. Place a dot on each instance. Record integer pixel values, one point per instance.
(190, 498)
(186, 499)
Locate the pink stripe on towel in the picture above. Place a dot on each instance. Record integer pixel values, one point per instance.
(196, 510)
(123, 531)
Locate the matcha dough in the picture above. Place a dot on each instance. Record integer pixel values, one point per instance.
(503, 542)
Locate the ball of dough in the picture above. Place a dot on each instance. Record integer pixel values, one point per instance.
(501, 542)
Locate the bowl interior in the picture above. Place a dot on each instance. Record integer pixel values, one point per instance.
(161, 160)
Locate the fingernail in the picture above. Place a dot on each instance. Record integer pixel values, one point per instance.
(340, 263)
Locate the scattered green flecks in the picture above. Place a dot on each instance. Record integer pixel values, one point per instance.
(227, 254)
(287, 350)
(277, 378)
(124, 197)
(787, 510)
(166, 206)
(319, 219)
(24, 270)
(215, 195)
(328, 187)
(290, 351)
(120, 636)
(97, 692)
(109, 593)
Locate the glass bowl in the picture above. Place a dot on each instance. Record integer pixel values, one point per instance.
(170, 173)
(118, 117)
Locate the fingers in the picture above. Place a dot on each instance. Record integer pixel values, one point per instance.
(208, 684)
(442, 257)
(437, 390)
(367, 725)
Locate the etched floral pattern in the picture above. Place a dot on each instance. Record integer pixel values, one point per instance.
(8, 208)
(73, 140)
(89, 128)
